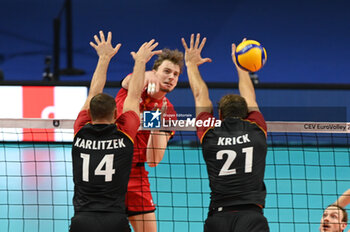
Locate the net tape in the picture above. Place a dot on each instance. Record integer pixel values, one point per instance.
(276, 126)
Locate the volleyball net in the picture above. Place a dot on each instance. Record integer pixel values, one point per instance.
(307, 168)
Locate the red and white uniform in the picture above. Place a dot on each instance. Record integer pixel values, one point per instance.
(139, 198)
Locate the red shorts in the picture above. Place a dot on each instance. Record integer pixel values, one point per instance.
(139, 198)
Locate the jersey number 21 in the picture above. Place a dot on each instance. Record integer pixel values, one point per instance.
(231, 156)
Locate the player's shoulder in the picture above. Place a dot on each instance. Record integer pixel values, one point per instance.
(130, 114)
(122, 92)
(255, 113)
(256, 118)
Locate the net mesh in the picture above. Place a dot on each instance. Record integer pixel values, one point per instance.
(307, 169)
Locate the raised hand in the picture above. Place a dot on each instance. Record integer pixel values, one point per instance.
(104, 47)
(233, 54)
(193, 53)
(145, 52)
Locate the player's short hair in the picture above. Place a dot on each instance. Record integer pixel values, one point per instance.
(174, 56)
(102, 106)
(345, 214)
(233, 105)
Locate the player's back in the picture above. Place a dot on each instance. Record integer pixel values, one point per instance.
(235, 155)
(102, 157)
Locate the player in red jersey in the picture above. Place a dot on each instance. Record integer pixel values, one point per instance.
(234, 152)
(103, 146)
(150, 146)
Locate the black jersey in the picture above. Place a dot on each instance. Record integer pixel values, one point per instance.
(102, 156)
(235, 156)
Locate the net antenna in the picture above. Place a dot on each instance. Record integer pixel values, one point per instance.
(69, 70)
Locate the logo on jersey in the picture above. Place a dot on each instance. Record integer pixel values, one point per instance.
(151, 119)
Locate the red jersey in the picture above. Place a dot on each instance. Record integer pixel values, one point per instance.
(128, 124)
(253, 117)
(146, 103)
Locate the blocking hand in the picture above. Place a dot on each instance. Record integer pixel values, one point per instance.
(233, 54)
(145, 52)
(193, 53)
(104, 47)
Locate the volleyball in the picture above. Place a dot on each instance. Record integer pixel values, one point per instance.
(250, 55)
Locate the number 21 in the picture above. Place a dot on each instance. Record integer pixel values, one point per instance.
(231, 156)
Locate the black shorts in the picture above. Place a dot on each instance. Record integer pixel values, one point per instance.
(99, 221)
(240, 218)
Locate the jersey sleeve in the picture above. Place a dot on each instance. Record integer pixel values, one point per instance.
(82, 119)
(258, 118)
(201, 130)
(119, 100)
(129, 123)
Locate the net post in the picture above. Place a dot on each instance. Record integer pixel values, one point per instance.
(56, 48)
(70, 70)
(69, 34)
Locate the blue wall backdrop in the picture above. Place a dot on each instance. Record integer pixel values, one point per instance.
(306, 40)
(277, 105)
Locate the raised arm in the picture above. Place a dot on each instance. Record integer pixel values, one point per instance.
(344, 199)
(141, 57)
(193, 59)
(245, 85)
(105, 52)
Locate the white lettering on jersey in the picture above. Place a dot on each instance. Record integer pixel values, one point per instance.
(225, 141)
(99, 144)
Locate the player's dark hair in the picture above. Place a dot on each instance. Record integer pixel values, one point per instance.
(102, 106)
(345, 214)
(174, 56)
(233, 105)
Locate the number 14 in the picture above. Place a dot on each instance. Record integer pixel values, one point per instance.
(108, 172)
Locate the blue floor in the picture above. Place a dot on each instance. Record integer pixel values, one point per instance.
(36, 187)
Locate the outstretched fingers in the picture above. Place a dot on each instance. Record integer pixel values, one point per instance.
(192, 41)
(193, 53)
(149, 43)
(202, 43)
(194, 44)
(97, 40)
(146, 52)
(102, 36)
(109, 37)
(184, 44)
(117, 47)
(157, 52)
(93, 45)
(206, 60)
(104, 47)
(153, 46)
(233, 48)
(133, 54)
(198, 38)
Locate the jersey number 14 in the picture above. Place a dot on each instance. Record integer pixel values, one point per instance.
(107, 161)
